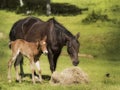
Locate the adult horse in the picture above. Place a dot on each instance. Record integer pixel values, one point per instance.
(58, 36)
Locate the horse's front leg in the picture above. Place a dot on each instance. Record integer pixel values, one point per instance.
(50, 58)
(37, 63)
(55, 58)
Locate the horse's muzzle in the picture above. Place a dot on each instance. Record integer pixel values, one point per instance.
(75, 63)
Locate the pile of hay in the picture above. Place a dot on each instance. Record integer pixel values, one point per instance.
(69, 76)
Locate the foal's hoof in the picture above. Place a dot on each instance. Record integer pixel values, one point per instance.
(34, 82)
(9, 81)
(36, 78)
(40, 80)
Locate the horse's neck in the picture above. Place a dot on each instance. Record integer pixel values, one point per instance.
(66, 38)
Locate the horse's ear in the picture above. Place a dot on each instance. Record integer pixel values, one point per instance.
(77, 35)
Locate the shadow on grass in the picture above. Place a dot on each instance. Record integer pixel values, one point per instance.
(66, 9)
(44, 77)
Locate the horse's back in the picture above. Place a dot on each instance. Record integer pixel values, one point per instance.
(21, 27)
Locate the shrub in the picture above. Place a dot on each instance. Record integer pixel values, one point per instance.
(95, 16)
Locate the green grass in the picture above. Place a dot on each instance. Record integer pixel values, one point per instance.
(95, 68)
(100, 39)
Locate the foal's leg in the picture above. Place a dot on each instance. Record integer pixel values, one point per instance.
(17, 74)
(32, 69)
(10, 62)
(37, 63)
(9, 70)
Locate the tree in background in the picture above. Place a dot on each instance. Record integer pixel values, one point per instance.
(12, 4)
(48, 7)
(27, 5)
(21, 3)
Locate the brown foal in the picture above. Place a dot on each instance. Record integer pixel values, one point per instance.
(29, 49)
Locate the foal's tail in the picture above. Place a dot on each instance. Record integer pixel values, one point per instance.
(9, 44)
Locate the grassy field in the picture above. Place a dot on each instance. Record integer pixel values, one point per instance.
(98, 38)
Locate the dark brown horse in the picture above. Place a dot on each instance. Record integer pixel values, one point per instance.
(58, 36)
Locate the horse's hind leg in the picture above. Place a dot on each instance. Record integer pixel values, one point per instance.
(19, 61)
(37, 63)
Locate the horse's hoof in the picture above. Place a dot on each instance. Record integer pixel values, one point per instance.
(18, 81)
(22, 75)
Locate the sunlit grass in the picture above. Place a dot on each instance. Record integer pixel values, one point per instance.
(95, 68)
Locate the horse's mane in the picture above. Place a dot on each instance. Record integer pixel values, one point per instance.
(61, 28)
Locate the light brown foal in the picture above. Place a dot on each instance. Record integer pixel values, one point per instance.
(30, 50)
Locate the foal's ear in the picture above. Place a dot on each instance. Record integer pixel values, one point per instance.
(37, 42)
(77, 35)
(45, 38)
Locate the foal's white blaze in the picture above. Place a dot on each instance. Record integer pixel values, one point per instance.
(45, 51)
(44, 42)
